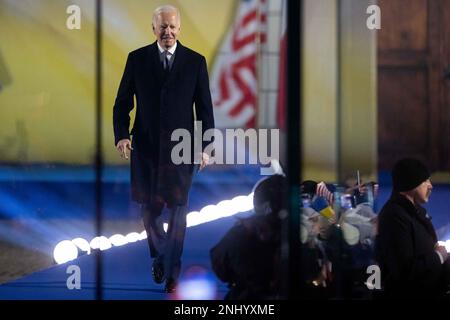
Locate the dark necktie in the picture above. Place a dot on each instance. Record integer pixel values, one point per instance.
(166, 64)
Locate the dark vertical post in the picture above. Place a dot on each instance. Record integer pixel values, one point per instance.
(338, 265)
(98, 149)
(339, 93)
(294, 152)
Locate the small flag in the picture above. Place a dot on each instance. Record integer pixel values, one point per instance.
(322, 191)
(320, 204)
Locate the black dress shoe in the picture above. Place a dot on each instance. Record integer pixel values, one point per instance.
(157, 271)
(171, 285)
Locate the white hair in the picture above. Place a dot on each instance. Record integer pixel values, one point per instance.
(165, 8)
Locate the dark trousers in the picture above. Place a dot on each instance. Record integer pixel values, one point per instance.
(167, 248)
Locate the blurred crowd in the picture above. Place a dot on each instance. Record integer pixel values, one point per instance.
(337, 243)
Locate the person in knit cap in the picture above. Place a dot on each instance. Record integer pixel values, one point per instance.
(412, 263)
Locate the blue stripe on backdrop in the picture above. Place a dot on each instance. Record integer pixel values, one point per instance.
(44, 192)
(68, 192)
(48, 204)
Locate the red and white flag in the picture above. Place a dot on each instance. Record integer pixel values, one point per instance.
(234, 78)
(322, 191)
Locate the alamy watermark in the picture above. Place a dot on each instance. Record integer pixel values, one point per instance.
(257, 139)
(374, 20)
(74, 19)
(74, 280)
(374, 280)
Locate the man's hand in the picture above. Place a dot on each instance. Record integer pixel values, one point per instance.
(442, 250)
(123, 146)
(205, 161)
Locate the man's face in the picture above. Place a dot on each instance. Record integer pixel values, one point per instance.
(167, 28)
(422, 192)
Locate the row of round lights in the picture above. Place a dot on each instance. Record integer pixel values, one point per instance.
(68, 250)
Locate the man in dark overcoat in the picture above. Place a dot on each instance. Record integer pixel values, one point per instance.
(412, 263)
(167, 79)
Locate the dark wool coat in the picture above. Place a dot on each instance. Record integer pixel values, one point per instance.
(409, 265)
(164, 103)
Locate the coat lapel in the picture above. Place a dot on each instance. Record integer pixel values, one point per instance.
(178, 59)
(419, 213)
(426, 222)
(155, 63)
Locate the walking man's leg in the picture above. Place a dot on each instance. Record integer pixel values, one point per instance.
(174, 245)
(156, 237)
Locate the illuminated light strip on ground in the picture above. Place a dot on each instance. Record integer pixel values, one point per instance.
(68, 250)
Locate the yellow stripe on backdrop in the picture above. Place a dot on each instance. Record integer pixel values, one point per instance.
(48, 103)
